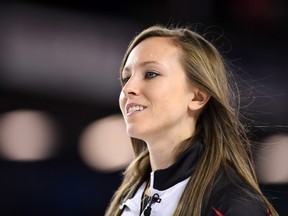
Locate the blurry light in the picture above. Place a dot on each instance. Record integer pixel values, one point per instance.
(27, 135)
(272, 160)
(105, 145)
(58, 52)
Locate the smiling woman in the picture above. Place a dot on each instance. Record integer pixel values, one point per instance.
(192, 154)
(163, 101)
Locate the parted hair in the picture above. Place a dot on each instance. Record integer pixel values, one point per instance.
(219, 127)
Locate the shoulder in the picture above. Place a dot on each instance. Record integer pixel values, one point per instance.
(235, 201)
(234, 197)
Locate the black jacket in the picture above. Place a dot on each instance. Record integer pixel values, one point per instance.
(230, 196)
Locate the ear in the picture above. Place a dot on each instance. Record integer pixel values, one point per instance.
(199, 100)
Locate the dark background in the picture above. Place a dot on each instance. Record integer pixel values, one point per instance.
(62, 57)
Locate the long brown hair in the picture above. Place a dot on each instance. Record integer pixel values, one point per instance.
(223, 135)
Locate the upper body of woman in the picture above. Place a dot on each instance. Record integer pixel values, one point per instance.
(192, 154)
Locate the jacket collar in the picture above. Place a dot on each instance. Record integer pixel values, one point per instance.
(181, 169)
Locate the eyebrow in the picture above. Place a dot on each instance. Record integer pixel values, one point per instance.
(142, 64)
(149, 62)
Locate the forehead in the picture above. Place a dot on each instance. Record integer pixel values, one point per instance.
(158, 49)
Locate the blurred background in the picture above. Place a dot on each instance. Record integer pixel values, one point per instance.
(63, 145)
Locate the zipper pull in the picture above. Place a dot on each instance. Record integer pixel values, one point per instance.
(153, 199)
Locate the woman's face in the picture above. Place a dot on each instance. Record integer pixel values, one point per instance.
(156, 95)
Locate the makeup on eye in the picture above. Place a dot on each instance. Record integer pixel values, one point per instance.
(147, 75)
(124, 80)
(150, 75)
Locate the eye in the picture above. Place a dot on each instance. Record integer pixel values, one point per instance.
(150, 75)
(124, 80)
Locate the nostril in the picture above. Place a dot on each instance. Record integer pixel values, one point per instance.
(132, 93)
(129, 91)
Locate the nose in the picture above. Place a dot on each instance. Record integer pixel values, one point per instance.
(131, 87)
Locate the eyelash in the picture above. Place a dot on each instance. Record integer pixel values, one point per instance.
(150, 72)
(125, 80)
(146, 76)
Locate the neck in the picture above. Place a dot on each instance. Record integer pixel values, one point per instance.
(162, 147)
(161, 155)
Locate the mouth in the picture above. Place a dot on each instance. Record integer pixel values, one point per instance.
(135, 108)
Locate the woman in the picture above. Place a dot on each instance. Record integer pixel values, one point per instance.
(192, 155)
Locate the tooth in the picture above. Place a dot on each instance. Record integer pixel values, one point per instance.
(135, 108)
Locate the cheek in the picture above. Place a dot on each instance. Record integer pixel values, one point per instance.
(175, 101)
(122, 101)
(172, 95)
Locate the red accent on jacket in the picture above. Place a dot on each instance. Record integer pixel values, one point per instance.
(217, 212)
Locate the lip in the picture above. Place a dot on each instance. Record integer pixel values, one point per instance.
(128, 105)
